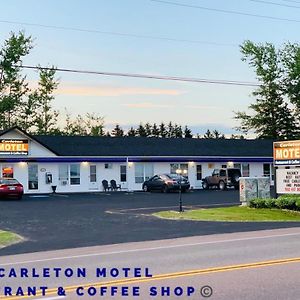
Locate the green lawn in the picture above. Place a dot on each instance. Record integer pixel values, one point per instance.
(8, 238)
(234, 214)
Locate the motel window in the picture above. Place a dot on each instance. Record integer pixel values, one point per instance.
(143, 171)
(245, 170)
(266, 170)
(182, 167)
(75, 174)
(63, 174)
(199, 172)
(123, 173)
(7, 171)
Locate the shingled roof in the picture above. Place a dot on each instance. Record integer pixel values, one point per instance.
(139, 146)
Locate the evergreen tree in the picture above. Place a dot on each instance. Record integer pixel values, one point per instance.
(170, 130)
(208, 135)
(187, 132)
(155, 130)
(141, 131)
(117, 131)
(163, 130)
(148, 129)
(131, 132)
(178, 131)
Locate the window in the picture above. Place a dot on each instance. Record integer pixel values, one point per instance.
(75, 174)
(63, 174)
(108, 166)
(224, 166)
(7, 172)
(123, 173)
(222, 173)
(245, 170)
(199, 172)
(71, 171)
(238, 166)
(266, 170)
(183, 167)
(33, 182)
(93, 173)
(143, 172)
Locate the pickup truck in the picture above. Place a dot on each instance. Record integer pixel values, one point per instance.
(222, 178)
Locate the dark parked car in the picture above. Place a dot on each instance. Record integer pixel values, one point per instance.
(166, 183)
(10, 187)
(222, 178)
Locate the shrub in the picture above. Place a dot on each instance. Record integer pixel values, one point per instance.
(262, 203)
(297, 204)
(270, 203)
(286, 203)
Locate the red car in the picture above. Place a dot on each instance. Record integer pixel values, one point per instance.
(10, 187)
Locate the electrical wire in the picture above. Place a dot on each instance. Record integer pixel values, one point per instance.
(147, 76)
(123, 34)
(275, 3)
(225, 11)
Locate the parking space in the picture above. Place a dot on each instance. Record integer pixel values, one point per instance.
(51, 222)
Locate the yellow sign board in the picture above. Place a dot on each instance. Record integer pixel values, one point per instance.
(286, 153)
(13, 147)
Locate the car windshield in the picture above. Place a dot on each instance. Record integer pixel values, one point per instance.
(175, 176)
(9, 181)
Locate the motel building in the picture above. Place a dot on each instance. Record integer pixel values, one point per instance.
(80, 163)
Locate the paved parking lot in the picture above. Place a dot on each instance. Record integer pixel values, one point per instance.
(79, 220)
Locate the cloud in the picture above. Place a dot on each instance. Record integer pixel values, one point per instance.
(111, 91)
(146, 105)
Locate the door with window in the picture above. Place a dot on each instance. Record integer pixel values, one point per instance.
(198, 175)
(93, 178)
(33, 177)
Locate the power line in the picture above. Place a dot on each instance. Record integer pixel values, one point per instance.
(292, 1)
(123, 34)
(147, 76)
(275, 3)
(226, 11)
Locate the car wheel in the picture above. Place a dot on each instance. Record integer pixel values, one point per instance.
(205, 185)
(165, 189)
(222, 185)
(146, 188)
(19, 197)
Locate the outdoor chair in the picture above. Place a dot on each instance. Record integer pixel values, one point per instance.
(105, 185)
(114, 185)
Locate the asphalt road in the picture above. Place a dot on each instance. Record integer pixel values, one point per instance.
(82, 220)
(249, 265)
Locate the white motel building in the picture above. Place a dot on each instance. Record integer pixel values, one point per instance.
(80, 163)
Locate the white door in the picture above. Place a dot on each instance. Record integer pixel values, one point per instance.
(198, 176)
(93, 178)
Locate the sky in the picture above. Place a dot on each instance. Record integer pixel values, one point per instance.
(184, 38)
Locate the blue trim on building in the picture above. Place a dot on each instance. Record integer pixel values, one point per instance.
(139, 159)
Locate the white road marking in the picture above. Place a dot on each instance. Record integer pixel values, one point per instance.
(150, 249)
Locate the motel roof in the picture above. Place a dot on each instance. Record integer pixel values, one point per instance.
(142, 146)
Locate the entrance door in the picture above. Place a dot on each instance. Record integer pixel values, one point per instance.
(93, 178)
(33, 177)
(199, 176)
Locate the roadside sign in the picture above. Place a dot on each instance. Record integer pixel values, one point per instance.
(286, 153)
(288, 181)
